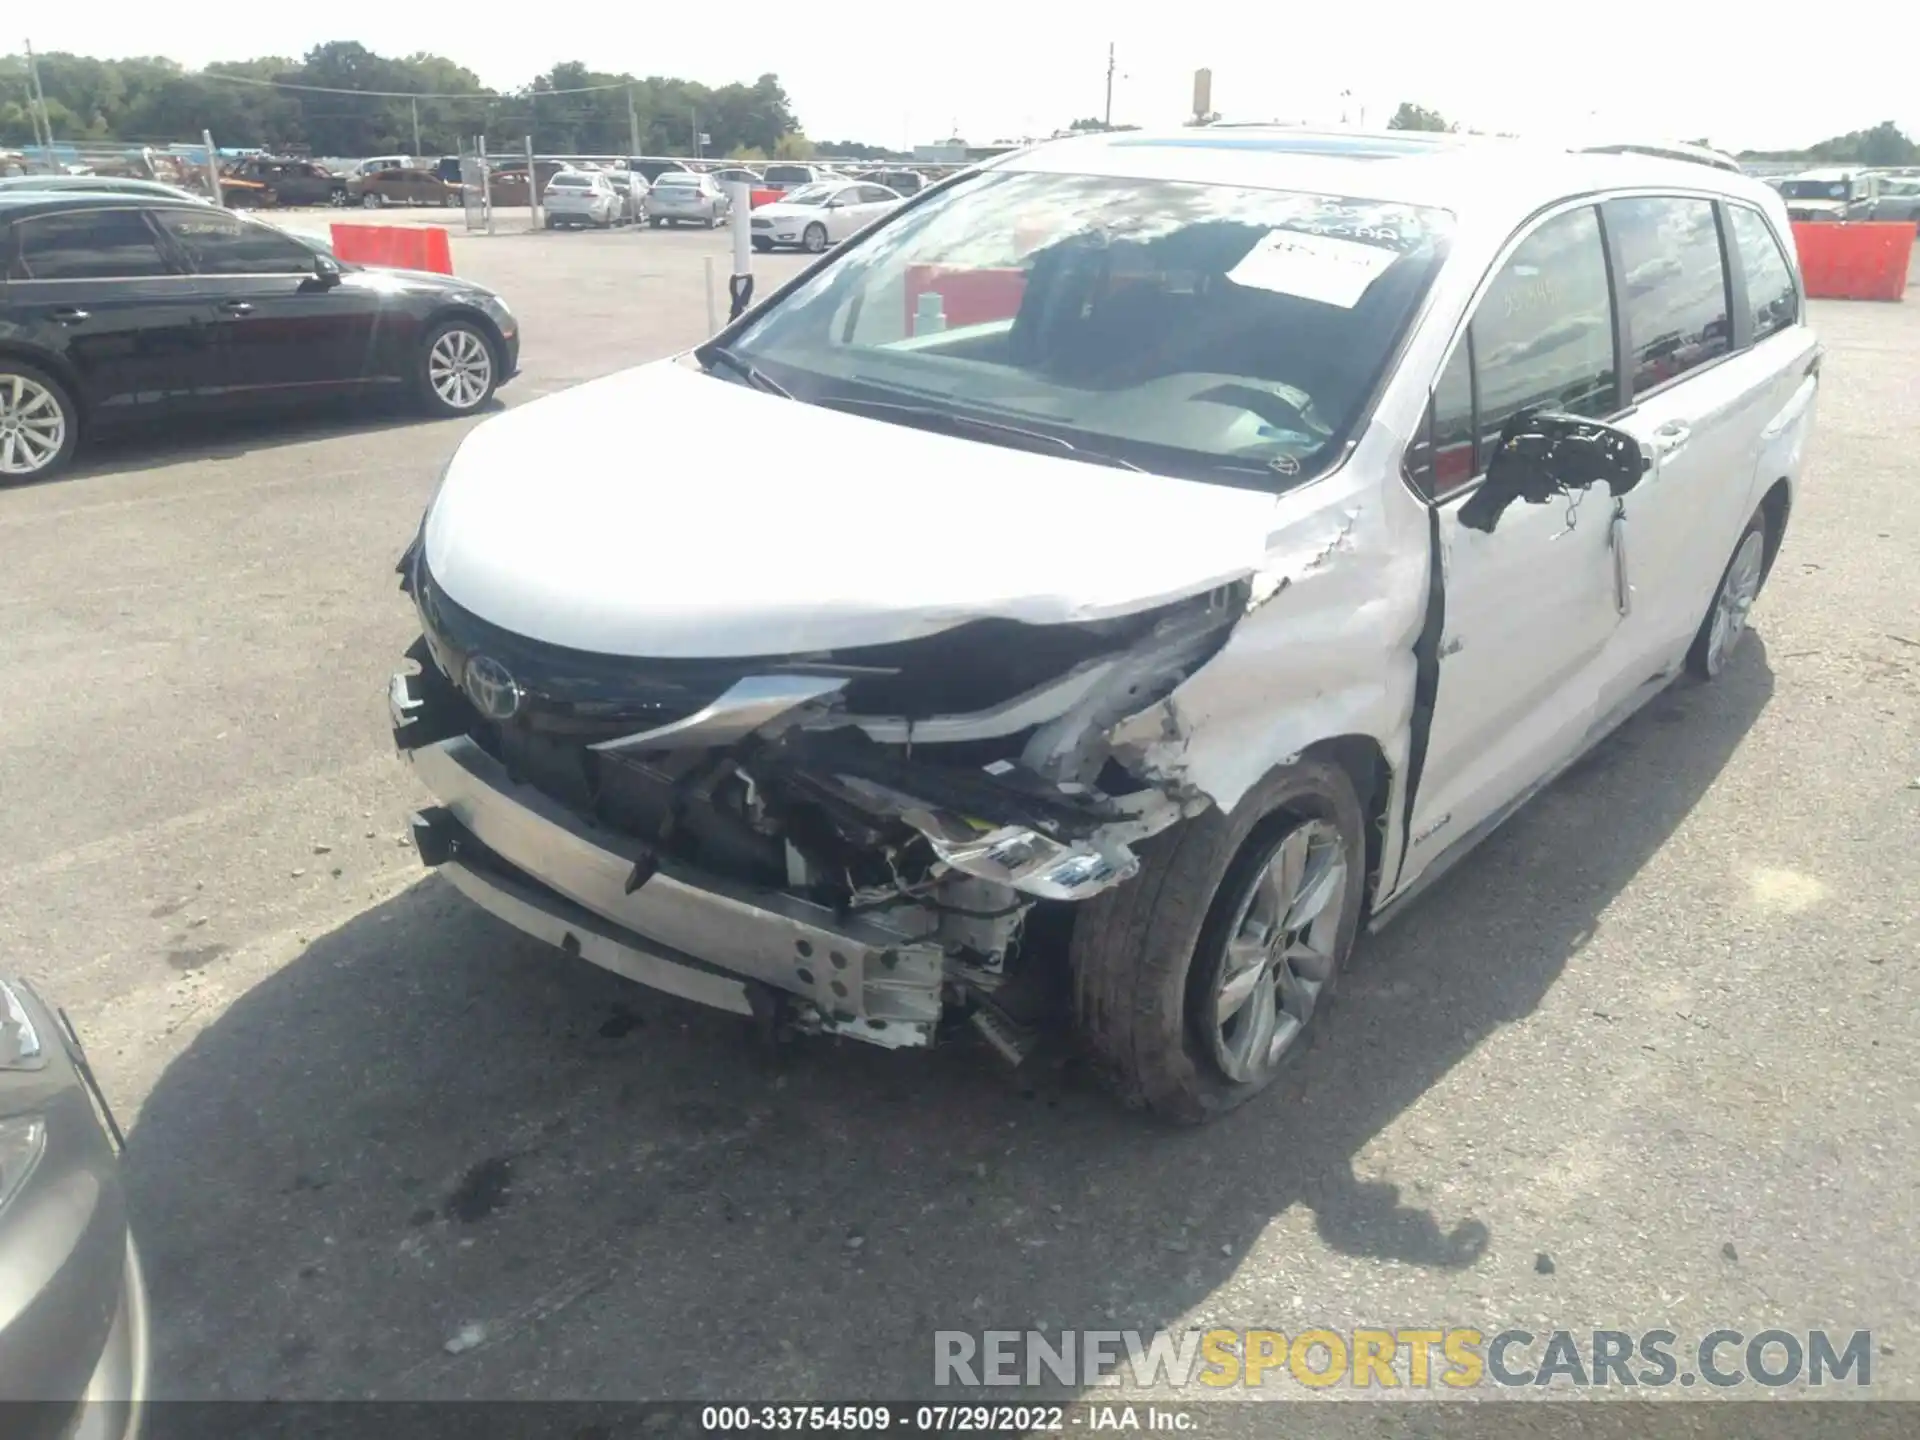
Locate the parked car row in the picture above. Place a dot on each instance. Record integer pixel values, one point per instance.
(1844, 192)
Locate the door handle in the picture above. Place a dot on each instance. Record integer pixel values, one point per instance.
(1671, 438)
(70, 315)
(236, 307)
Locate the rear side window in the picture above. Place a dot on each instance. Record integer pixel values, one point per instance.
(217, 243)
(1770, 289)
(1543, 333)
(789, 174)
(87, 245)
(1674, 285)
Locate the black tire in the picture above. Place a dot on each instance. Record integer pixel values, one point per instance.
(31, 375)
(1146, 955)
(1707, 657)
(814, 239)
(763, 246)
(656, 222)
(430, 398)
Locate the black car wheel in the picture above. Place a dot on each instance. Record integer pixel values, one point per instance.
(459, 370)
(39, 424)
(763, 246)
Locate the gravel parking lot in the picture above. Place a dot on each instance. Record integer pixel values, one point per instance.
(1651, 1058)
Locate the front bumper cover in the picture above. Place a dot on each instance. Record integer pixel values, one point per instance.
(608, 899)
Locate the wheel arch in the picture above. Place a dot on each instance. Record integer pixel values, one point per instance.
(1366, 766)
(1776, 505)
(479, 318)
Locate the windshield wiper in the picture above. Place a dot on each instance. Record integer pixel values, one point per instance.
(929, 418)
(745, 369)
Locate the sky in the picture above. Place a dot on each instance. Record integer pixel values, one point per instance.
(894, 74)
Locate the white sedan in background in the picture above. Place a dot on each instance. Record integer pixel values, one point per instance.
(820, 215)
(581, 197)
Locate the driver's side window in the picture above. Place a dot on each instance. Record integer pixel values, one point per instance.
(1541, 337)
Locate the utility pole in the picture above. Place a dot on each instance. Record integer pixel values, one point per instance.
(416, 128)
(37, 105)
(633, 125)
(1108, 122)
(696, 133)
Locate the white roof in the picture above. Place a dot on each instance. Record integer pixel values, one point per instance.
(1486, 179)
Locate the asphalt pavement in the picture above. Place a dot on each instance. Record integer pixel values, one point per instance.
(1649, 1059)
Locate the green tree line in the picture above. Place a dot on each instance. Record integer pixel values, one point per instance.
(152, 100)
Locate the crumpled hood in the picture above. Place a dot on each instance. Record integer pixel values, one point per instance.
(667, 513)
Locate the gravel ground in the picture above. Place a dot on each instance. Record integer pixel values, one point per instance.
(1661, 1030)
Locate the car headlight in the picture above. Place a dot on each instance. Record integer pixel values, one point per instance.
(19, 1041)
(23, 1139)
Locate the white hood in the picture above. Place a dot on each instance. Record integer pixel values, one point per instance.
(747, 524)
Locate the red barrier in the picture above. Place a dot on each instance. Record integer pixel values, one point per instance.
(398, 247)
(757, 197)
(967, 297)
(1865, 261)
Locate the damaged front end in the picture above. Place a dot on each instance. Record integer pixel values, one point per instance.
(849, 841)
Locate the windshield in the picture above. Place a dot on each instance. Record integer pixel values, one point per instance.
(1815, 189)
(1209, 331)
(810, 195)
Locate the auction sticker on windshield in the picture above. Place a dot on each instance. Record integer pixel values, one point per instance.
(1314, 267)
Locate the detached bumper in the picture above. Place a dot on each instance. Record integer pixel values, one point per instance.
(605, 898)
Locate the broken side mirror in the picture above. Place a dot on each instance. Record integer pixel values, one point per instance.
(1543, 454)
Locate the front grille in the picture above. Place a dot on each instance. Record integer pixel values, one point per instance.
(761, 224)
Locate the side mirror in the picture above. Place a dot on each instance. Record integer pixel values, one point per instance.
(1542, 454)
(326, 270)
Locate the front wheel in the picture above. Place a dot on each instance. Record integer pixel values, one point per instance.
(1720, 633)
(458, 371)
(39, 425)
(369, 202)
(763, 246)
(1197, 981)
(815, 240)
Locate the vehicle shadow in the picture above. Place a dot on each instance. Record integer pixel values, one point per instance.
(228, 437)
(429, 1158)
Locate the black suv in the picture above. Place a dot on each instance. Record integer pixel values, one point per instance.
(116, 308)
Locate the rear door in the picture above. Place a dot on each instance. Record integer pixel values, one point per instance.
(102, 287)
(280, 332)
(1709, 373)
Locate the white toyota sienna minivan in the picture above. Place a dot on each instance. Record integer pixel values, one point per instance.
(1179, 550)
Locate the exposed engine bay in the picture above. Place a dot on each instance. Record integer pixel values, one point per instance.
(942, 787)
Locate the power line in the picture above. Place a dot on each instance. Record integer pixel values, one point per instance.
(409, 94)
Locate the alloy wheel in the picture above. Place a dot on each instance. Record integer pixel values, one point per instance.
(1280, 951)
(1737, 594)
(33, 427)
(460, 367)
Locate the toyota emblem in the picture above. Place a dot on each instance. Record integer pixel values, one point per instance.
(492, 688)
